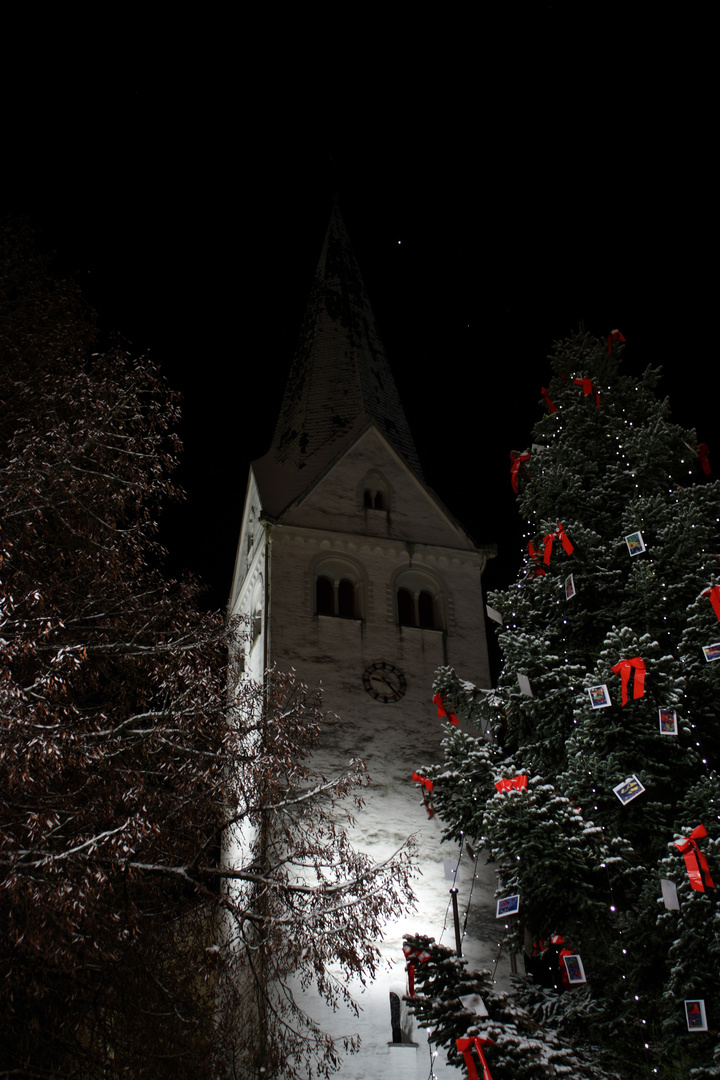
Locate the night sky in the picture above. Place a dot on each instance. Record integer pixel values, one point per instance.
(494, 204)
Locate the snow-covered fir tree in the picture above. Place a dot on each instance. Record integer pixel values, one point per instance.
(607, 677)
(519, 1045)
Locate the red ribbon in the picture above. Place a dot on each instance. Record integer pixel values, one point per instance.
(427, 786)
(548, 542)
(422, 780)
(562, 536)
(437, 700)
(695, 860)
(614, 335)
(564, 540)
(703, 452)
(553, 408)
(518, 783)
(535, 560)
(714, 592)
(623, 668)
(517, 460)
(412, 955)
(465, 1047)
(588, 389)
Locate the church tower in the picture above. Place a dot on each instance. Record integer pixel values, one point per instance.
(353, 573)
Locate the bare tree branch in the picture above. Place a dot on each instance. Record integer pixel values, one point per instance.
(168, 856)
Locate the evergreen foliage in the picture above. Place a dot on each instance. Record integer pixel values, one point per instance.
(524, 1048)
(607, 463)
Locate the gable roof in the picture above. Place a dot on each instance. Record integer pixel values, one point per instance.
(340, 382)
(418, 515)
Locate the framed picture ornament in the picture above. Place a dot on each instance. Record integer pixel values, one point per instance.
(669, 894)
(524, 684)
(507, 905)
(574, 967)
(599, 697)
(474, 1004)
(629, 790)
(635, 543)
(668, 721)
(695, 1016)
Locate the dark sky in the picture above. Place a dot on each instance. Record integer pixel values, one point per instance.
(494, 202)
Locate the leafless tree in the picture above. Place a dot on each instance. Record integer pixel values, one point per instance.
(168, 857)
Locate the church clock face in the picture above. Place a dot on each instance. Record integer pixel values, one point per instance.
(385, 682)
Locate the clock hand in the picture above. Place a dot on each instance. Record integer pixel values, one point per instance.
(384, 680)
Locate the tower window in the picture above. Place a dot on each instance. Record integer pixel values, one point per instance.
(418, 605)
(426, 610)
(406, 608)
(416, 609)
(346, 599)
(374, 491)
(324, 596)
(374, 500)
(336, 596)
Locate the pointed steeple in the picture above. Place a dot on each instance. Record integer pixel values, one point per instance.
(340, 382)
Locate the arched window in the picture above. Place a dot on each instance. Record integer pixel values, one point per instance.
(419, 601)
(406, 607)
(426, 610)
(337, 589)
(324, 596)
(374, 499)
(346, 599)
(375, 490)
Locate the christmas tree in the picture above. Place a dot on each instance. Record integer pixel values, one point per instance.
(594, 782)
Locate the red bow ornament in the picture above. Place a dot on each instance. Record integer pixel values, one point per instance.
(465, 1047)
(413, 956)
(427, 786)
(517, 460)
(695, 861)
(437, 700)
(517, 783)
(714, 593)
(623, 669)
(702, 454)
(588, 388)
(614, 335)
(564, 539)
(535, 559)
(553, 408)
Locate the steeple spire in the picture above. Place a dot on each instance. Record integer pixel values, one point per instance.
(340, 381)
